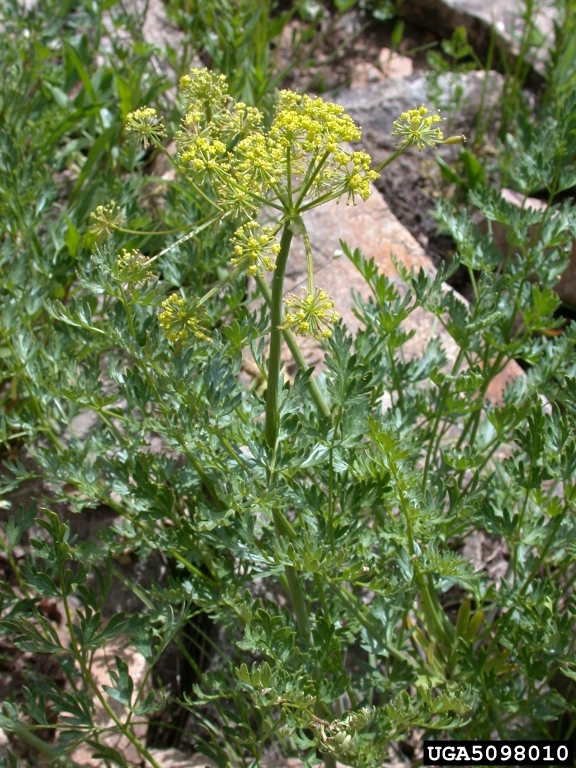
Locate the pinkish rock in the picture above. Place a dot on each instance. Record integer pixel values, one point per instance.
(365, 73)
(394, 64)
(371, 227)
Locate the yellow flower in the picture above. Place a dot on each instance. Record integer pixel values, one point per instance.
(183, 317)
(416, 127)
(224, 144)
(132, 267)
(312, 125)
(205, 91)
(314, 314)
(255, 246)
(105, 219)
(146, 125)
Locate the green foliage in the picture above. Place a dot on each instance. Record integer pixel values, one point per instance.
(237, 36)
(330, 551)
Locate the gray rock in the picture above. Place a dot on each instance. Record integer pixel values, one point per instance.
(157, 29)
(375, 107)
(484, 18)
(176, 758)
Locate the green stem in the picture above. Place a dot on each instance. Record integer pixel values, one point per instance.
(197, 229)
(436, 621)
(308, 251)
(311, 174)
(282, 526)
(222, 283)
(272, 419)
(296, 352)
(25, 735)
(391, 159)
(292, 584)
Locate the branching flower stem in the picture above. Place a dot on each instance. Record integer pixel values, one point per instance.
(391, 158)
(308, 252)
(281, 525)
(272, 418)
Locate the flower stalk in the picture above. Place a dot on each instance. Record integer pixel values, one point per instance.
(274, 362)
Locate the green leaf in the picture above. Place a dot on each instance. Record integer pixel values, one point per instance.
(124, 96)
(96, 152)
(15, 528)
(450, 174)
(149, 705)
(60, 98)
(79, 67)
(474, 172)
(123, 684)
(43, 584)
(72, 238)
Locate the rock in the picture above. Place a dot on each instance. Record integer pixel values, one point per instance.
(157, 29)
(175, 758)
(566, 287)
(371, 227)
(376, 106)
(365, 73)
(393, 64)
(482, 19)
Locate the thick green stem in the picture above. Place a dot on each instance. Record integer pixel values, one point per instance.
(329, 761)
(296, 352)
(272, 420)
(292, 585)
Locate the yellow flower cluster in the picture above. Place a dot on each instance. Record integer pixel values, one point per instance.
(183, 318)
(255, 246)
(311, 131)
(311, 125)
(105, 219)
(260, 163)
(132, 267)
(204, 90)
(147, 126)
(223, 142)
(212, 124)
(314, 314)
(416, 127)
(359, 176)
(204, 153)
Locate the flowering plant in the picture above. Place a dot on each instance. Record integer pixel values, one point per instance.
(311, 542)
(249, 171)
